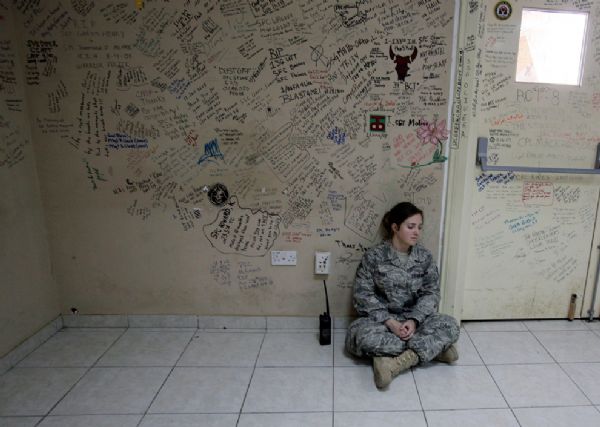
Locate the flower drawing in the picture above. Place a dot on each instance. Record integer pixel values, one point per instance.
(434, 133)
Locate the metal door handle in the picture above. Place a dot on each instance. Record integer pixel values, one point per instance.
(482, 147)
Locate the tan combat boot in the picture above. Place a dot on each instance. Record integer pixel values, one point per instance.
(450, 355)
(387, 368)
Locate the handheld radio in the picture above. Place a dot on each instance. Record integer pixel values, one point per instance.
(325, 322)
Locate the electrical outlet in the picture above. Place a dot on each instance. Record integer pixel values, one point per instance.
(322, 262)
(283, 257)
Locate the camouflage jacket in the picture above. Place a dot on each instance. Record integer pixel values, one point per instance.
(384, 288)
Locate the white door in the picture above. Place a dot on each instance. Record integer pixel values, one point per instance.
(531, 244)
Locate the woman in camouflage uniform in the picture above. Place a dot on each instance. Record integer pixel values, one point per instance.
(396, 294)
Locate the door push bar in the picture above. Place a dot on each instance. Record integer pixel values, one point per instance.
(482, 147)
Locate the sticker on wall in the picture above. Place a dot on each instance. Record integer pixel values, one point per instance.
(122, 140)
(538, 193)
(376, 123)
(402, 62)
(484, 179)
(503, 10)
(218, 194)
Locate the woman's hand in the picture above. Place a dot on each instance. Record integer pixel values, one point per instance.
(403, 330)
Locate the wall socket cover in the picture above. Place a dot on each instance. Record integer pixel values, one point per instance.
(322, 262)
(283, 258)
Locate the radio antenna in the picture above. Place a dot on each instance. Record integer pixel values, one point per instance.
(326, 296)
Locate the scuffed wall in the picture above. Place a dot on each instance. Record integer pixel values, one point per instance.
(28, 294)
(179, 143)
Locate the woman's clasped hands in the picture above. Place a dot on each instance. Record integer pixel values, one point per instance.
(403, 330)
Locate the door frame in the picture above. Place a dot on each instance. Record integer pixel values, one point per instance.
(461, 174)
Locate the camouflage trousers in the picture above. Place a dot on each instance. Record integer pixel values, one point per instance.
(366, 338)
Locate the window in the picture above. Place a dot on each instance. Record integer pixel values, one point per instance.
(551, 47)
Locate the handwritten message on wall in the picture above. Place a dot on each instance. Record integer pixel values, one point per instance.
(238, 127)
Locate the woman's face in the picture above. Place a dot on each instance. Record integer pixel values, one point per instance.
(407, 234)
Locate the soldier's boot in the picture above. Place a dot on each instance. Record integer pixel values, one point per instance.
(387, 368)
(450, 355)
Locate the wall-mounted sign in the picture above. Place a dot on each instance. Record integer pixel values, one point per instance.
(503, 10)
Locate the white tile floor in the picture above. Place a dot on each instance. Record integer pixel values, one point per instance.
(531, 373)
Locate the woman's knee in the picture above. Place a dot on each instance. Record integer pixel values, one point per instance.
(365, 338)
(450, 324)
(369, 338)
(357, 337)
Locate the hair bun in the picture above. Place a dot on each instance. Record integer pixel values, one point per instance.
(397, 215)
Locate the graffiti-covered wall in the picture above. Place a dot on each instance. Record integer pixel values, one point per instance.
(178, 143)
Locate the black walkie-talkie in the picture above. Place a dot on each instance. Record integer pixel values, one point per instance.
(325, 322)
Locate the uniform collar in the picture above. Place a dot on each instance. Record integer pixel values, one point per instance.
(389, 254)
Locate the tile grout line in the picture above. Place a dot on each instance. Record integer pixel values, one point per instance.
(530, 333)
(485, 408)
(553, 407)
(402, 411)
(412, 372)
(251, 377)
(561, 367)
(80, 378)
(493, 379)
(111, 346)
(333, 379)
(167, 377)
(56, 331)
(554, 361)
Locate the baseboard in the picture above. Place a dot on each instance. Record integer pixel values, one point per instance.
(199, 322)
(162, 321)
(30, 344)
